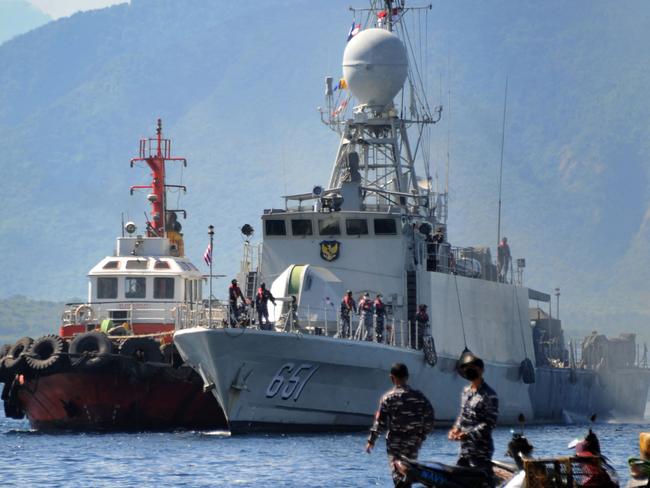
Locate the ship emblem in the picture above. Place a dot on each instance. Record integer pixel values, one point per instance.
(330, 250)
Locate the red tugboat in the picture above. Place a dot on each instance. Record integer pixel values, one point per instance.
(113, 365)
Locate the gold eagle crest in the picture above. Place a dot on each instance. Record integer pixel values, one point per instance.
(329, 250)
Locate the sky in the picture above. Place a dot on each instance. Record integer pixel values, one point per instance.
(64, 8)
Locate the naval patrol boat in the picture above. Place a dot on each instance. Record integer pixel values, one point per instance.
(380, 226)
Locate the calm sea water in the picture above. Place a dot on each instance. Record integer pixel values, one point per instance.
(197, 459)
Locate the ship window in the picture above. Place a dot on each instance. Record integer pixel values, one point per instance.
(301, 227)
(107, 288)
(112, 265)
(329, 227)
(137, 264)
(161, 265)
(385, 227)
(275, 228)
(135, 288)
(356, 227)
(163, 288)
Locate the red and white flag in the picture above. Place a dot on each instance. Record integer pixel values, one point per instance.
(207, 255)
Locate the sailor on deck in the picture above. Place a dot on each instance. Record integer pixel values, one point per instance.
(504, 260)
(365, 317)
(478, 416)
(348, 307)
(408, 417)
(421, 328)
(380, 316)
(234, 294)
(262, 305)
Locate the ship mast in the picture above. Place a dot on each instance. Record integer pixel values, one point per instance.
(375, 161)
(156, 152)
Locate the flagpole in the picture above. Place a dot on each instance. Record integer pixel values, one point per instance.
(211, 234)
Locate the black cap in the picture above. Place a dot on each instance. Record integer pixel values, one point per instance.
(399, 370)
(468, 358)
(233, 282)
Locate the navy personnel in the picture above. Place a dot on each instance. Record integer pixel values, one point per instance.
(380, 316)
(408, 417)
(503, 260)
(421, 327)
(478, 416)
(262, 305)
(348, 307)
(365, 319)
(234, 294)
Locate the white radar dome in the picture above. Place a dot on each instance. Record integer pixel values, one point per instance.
(375, 65)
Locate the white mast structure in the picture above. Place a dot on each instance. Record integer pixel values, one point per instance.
(375, 164)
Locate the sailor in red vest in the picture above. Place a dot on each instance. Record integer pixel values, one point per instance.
(348, 307)
(365, 319)
(262, 305)
(503, 260)
(380, 316)
(234, 294)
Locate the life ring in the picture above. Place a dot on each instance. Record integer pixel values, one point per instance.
(429, 348)
(142, 349)
(83, 314)
(90, 350)
(14, 361)
(47, 355)
(527, 371)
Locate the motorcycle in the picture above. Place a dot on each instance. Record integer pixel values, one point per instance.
(588, 468)
(438, 475)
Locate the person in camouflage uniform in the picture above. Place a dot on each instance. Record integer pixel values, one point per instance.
(478, 416)
(408, 417)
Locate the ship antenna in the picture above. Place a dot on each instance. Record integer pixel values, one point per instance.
(503, 138)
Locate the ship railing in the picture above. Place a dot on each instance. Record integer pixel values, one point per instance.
(129, 312)
(313, 320)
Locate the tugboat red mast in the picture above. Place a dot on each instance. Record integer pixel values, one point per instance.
(112, 366)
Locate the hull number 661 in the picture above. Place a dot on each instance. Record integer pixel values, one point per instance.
(290, 380)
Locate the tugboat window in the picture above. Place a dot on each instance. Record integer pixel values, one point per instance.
(107, 288)
(112, 265)
(329, 227)
(356, 227)
(137, 264)
(161, 265)
(135, 288)
(275, 228)
(301, 227)
(163, 288)
(385, 227)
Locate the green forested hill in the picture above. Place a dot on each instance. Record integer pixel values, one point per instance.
(237, 86)
(20, 316)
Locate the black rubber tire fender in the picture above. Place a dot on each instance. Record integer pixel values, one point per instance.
(47, 355)
(14, 361)
(142, 349)
(4, 349)
(527, 371)
(90, 350)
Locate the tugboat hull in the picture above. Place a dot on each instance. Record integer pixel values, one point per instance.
(169, 399)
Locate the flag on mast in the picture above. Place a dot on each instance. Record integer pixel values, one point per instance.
(207, 255)
(354, 30)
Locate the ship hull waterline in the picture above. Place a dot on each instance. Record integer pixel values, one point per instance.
(272, 381)
(78, 401)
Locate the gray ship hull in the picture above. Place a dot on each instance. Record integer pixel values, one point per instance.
(273, 381)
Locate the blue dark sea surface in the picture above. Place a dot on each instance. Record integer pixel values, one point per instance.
(200, 459)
